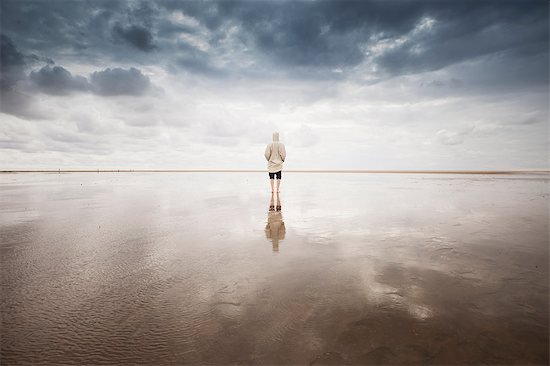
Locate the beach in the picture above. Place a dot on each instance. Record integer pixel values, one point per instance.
(193, 267)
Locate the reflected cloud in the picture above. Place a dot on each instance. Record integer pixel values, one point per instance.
(275, 228)
(120, 256)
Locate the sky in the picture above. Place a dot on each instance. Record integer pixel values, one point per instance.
(202, 85)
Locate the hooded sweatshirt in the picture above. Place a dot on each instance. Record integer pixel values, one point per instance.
(275, 154)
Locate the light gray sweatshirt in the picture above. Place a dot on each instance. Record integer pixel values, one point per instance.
(275, 154)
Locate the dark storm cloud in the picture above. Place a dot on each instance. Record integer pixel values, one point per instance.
(41, 25)
(464, 31)
(306, 37)
(89, 30)
(119, 82)
(12, 70)
(198, 66)
(168, 29)
(327, 34)
(320, 34)
(207, 12)
(194, 60)
(12, 63)
(288, 33)
(109, 82)
(135, 35)
(58, 81)
(20, 100)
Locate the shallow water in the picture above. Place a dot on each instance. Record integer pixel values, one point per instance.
(171, 268)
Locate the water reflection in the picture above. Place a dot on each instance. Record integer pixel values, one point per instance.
(416, 270)
(275, 229)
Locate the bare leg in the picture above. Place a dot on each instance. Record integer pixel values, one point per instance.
(271, 180)
(278, 185)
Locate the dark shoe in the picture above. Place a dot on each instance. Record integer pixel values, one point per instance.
(278, 208)
(271, 208)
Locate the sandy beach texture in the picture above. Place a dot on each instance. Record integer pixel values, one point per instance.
(173, 268)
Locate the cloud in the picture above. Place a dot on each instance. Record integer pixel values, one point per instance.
(447, 137)
(135, 35)
(12, 63)
(86, 123)
(195, 65)
(18, 90)
(12, 71)
(322, 39)
(117, 81)
(58, 81)
(531, 120)
(386, 84)
(507, 27)
(395, 37)
(321, 34)
(61, 26)
(63, 136)
(306, 136)
(20, 104)
(109, 82)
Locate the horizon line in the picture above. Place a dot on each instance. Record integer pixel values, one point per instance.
(371, 171)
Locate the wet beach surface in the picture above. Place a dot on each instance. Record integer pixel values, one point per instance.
(173, 268)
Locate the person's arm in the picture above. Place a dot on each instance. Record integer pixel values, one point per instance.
(267, 153)
(282, 152)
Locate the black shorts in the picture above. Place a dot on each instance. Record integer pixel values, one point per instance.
(272, 175)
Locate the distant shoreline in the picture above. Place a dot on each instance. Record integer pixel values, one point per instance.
(498, 172)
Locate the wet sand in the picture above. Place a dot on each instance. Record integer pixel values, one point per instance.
(173, 268)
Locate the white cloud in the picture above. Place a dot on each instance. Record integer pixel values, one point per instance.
(451, 137)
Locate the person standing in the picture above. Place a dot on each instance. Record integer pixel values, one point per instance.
(275, 154)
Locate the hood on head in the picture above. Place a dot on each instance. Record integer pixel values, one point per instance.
(275, 136)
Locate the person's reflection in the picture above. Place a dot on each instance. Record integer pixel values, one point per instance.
(275, 228)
